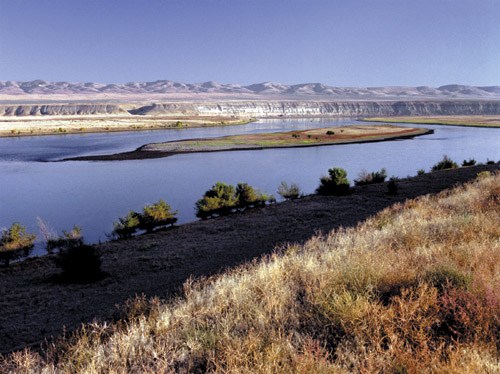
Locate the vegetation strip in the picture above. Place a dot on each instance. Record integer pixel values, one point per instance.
(290, 139)
(472, 121)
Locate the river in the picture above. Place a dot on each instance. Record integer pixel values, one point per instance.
(94, 194)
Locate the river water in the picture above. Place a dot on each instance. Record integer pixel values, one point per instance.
(94, 194)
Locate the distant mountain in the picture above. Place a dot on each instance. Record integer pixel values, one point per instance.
(12, 90)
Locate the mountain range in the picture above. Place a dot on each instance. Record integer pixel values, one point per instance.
(12, 90)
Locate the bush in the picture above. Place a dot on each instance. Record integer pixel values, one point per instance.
(69, 239)
(420, 172)
(330, 132)
(156, 215)
(445, 163)
(223, 199)
(15, 243)
(470, 162)
(334, 184)
(370, 178)
(392, 186)
(220, 199)
(126, 226)
(248, 196)
(288, 192)
(80, 264)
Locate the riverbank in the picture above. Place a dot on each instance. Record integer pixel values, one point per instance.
(61, 125)
(473, 121)
(290, 139)
(35, 307)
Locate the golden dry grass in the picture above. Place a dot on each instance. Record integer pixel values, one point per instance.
(413, 289)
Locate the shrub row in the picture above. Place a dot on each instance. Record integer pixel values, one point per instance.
(153, 216)
(223, 199)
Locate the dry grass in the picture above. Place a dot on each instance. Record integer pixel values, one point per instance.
(413, 289)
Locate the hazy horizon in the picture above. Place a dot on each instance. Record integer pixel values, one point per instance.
(342, 43)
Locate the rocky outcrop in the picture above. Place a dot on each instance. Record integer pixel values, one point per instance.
(60, 109)
(268, 109)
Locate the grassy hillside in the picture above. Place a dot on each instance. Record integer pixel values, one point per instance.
(412, 289)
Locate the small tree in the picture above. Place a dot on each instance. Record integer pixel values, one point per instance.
(220, 199)
(336, 183)
(288, 192)
(155, 215)
(15, 243)
(126, 226)
(445, 163)
(68, 239)
(470, 162)
(248, 196)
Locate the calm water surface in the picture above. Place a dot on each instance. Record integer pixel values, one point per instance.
(94, 194)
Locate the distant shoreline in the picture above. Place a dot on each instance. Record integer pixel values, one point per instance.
(468, 121)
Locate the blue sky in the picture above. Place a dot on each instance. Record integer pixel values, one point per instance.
(337, 42)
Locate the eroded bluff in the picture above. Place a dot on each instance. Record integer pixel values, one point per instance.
(265, 108)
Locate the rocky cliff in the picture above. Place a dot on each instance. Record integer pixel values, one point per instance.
(265, 108)
(60, 109)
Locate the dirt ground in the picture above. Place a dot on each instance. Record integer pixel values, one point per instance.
(34, 307)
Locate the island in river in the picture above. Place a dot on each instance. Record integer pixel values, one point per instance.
(288, 139)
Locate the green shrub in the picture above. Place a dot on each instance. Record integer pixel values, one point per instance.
(69, 239)
(420, 172)
(80, 264)
(336, 183)
(15, 243)
(288, 192)
(445, 163)
(224, 199)
(248, 196)
(156, 215)
(470, 162)
(126, 226)
(490, 162)
(220, 199)
(370, 178)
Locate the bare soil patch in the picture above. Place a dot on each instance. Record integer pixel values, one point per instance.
(35, 307)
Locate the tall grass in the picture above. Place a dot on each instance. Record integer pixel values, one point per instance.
(413, 289)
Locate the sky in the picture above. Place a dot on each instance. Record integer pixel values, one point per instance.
(336, 42)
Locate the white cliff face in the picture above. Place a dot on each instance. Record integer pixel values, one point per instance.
(261, 109)
(321, 108)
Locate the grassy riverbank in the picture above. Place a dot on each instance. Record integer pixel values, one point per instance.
(410, 287)
(59, 125)
(473, 121)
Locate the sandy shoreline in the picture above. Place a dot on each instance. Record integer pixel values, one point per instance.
(34, 307)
